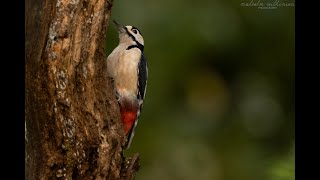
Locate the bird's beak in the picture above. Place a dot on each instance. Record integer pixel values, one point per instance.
(121, 28)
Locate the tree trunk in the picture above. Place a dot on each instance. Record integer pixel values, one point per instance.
(73, 126)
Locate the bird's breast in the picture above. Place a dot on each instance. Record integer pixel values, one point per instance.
(127, 72)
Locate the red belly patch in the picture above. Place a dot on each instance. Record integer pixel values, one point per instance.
(128, 118)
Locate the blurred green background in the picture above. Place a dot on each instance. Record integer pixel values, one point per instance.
(220, 96)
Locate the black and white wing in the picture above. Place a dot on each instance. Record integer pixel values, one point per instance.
(142, 86)
(143, 77)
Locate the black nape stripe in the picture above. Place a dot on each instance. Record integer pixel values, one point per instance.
(140, 46)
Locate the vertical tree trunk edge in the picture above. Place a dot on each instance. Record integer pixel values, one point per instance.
(72, 120)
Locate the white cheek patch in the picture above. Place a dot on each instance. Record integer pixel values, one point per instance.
(140, 39)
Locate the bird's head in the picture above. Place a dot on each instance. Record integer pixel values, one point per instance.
(129, 34)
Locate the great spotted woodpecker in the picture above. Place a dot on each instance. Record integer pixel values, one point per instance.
(127, 66)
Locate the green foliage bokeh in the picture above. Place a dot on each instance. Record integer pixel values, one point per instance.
(220, 95)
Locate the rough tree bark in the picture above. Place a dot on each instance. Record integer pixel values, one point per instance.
(73, 126)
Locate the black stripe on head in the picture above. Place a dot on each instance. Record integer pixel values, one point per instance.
(136, 29)
(140, 46)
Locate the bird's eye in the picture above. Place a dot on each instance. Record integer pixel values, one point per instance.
(134, 31)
